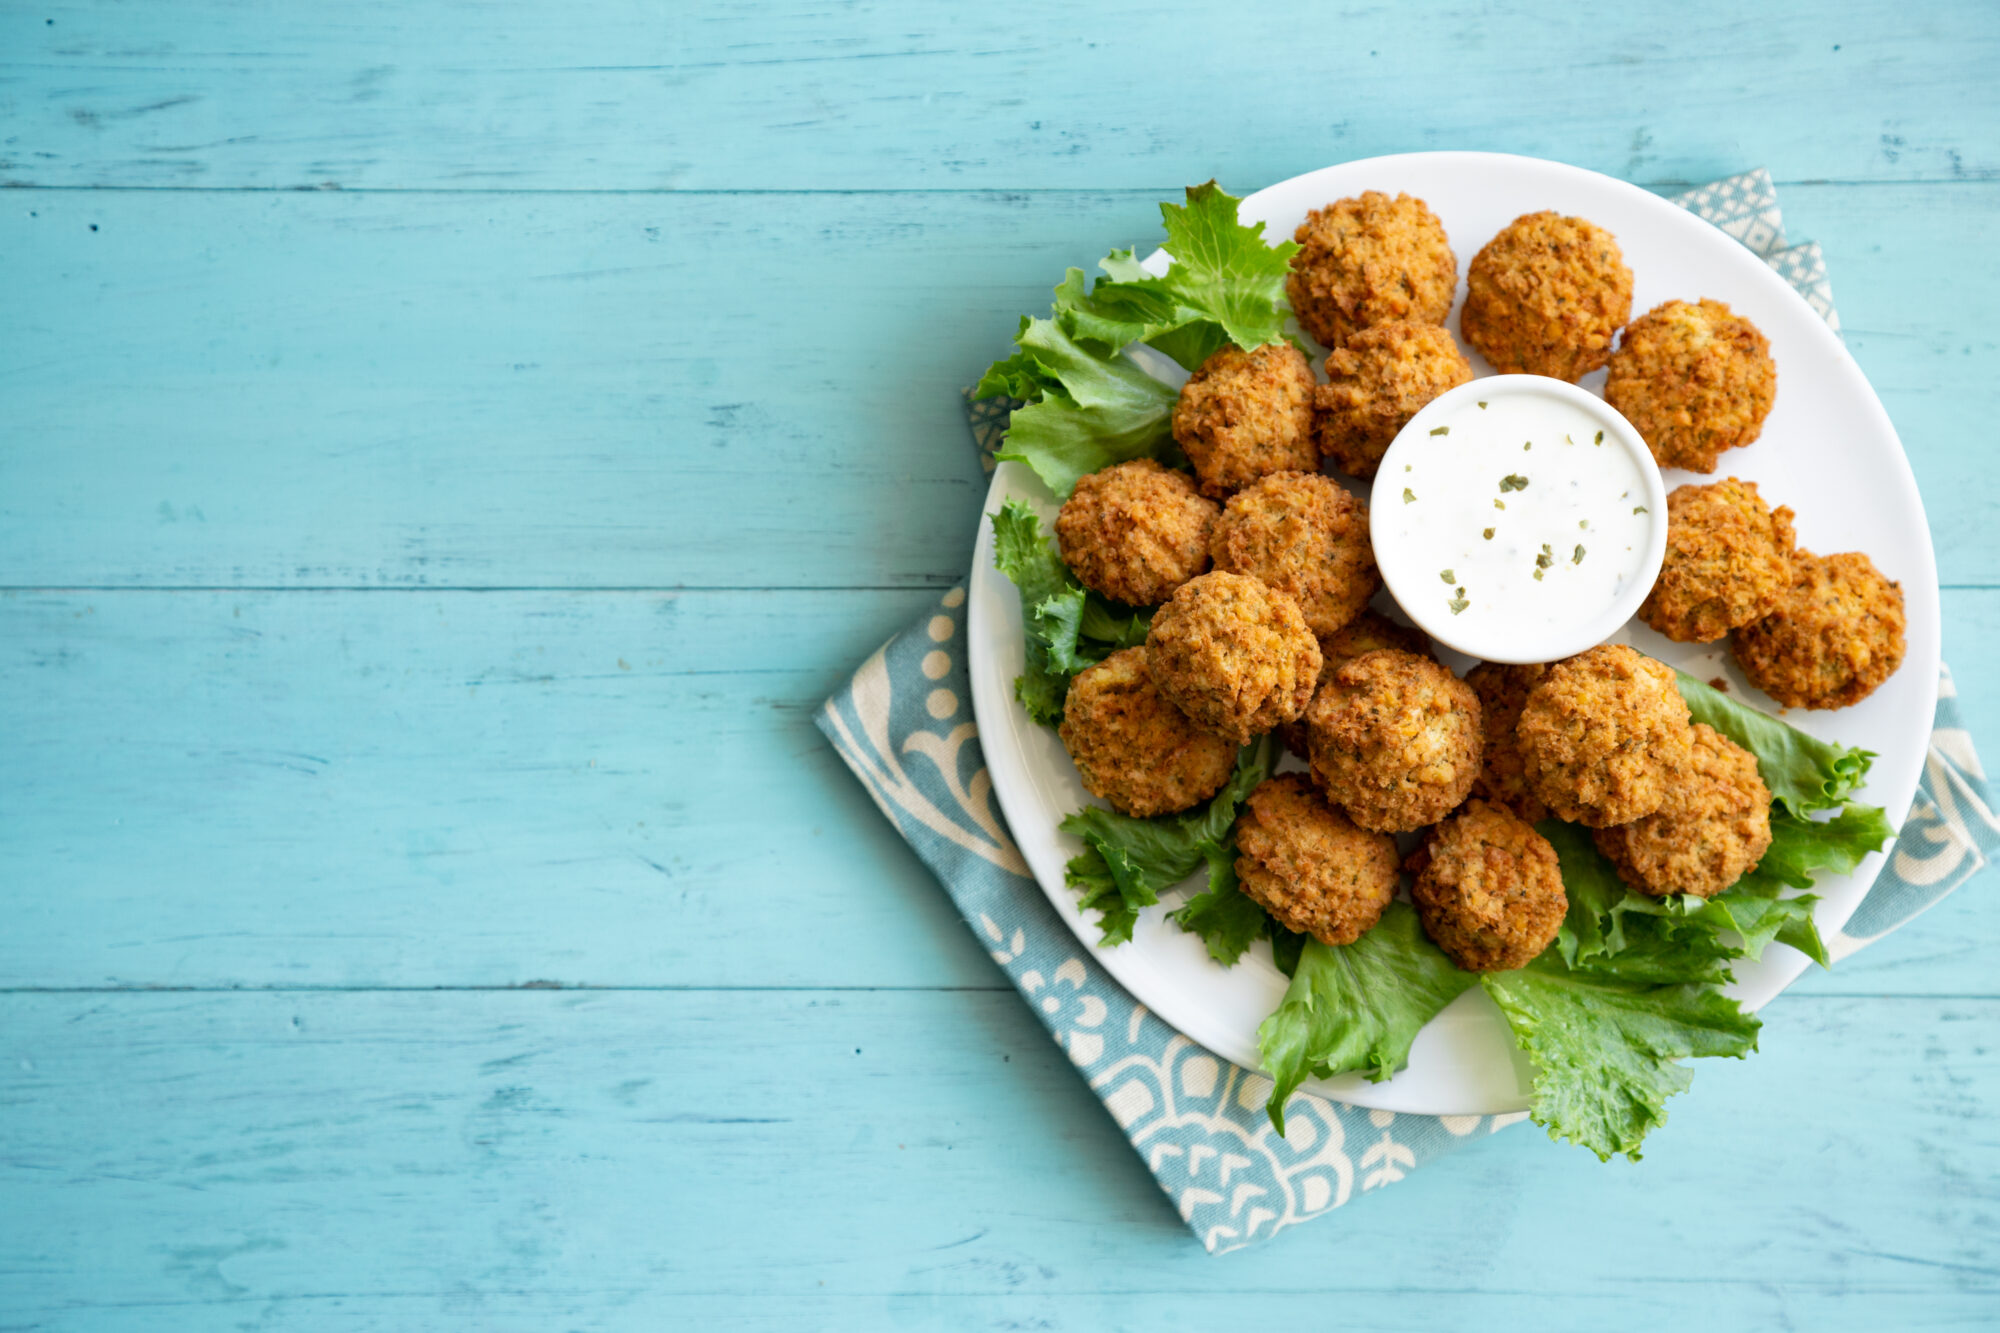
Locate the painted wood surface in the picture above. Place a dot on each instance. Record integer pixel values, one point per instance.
(664, 390)
(446, 452)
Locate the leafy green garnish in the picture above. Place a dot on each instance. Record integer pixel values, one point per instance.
(1066, 627)
(1606, 1037)
(1804, 773)
(1226, 285)
(1094, 410)
(1226, 918)
(1088, 406)
(1356, 1006)
(1128, 862)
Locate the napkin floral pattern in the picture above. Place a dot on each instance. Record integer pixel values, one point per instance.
(904, 725)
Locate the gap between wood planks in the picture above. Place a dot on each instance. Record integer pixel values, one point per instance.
(331, 187)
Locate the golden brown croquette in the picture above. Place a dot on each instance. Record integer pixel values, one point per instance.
(1306, 863)
(1712, 830)
(1243, 415)
(1546, 296)
(1489, 889)
(1379, 379)
(1364, 634)
(1304, 535)
(1136, 531)
(1835, 635)
(1369, 260)
(1603, 735)
(1233, 654)
(1502, 690)
(1729, 559)
(1135, 749)
(1694, 380)
(1394, 740)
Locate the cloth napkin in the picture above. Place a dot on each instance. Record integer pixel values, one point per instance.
(904, 725)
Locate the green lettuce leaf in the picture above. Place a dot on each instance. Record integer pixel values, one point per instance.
(1356, 1006)
(1226, 285)
(1606, 1036)
(1127, 862)
(1089, 406)
(1803, 772)
(1066, 627)
(1109, 411)
(1225, 918)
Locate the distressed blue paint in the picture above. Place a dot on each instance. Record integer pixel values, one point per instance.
(256, 737)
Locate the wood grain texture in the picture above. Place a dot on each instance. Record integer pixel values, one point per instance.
(491, 789)
(1042, 95)
(533, 1160)
(712, 391)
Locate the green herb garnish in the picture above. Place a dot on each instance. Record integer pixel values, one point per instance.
(1488, 534)
(1442, 430)
(1409, 496)
(1447, 576)
(1577, 559)
(1458, 603)
(1513, 481)
(1599, 439)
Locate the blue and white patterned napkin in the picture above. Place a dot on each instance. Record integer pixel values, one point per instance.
(904, 725)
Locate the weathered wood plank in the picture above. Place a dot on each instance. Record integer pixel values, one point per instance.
(489, 789)
(527, 1160)
(808, 94)
(659, 391)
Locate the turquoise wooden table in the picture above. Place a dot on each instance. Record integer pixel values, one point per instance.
(448, 450)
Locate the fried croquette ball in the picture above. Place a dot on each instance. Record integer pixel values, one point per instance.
(1693, 380)
(1603, 735)
(1370, 260)
(1376, 382)
(1546, 296)
(1135, 749)
(1243, 415)
(1502, 690)
(1364, 634)
(1712, 830)
(1233, 654)
(1136, 531)
(1836, 634)
(1394, 740)
(1306, 863)
(1304, 535)
(1729, 559)
(1489, 890)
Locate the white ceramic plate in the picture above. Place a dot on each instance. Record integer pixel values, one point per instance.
(1827, 450)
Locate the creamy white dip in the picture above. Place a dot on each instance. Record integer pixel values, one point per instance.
(1518, 519)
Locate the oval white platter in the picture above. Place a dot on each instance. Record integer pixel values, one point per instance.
(1827, 450)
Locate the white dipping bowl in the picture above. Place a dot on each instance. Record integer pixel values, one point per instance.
(1410, 567)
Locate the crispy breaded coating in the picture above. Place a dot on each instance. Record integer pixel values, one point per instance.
(1306, 863)
(1835, 635)
(1304, 535)
(1546, 296)
(1243, 415)
(1693, 379)
(1136, 531)
(1369, 260)
(1729, 559)
(1603, 735)
(1233, 654)
(1135, 749)
(1376, 381)
(1489, 889)
(1712, 830)
(1394, 740)
(1364, 634)
(1502, 690)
